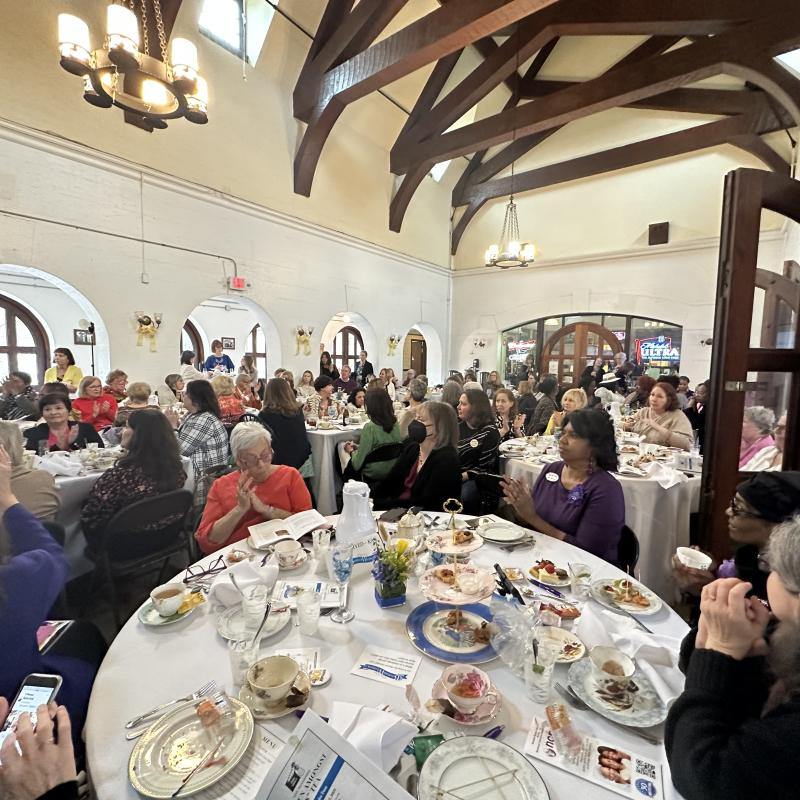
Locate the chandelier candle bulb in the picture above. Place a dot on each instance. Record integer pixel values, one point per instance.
(197, 103)
(154, 94)
(74, 44)
(185, 64)
(123, 36)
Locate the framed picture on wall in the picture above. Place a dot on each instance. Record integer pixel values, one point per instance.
(80, 336)
(228, 343)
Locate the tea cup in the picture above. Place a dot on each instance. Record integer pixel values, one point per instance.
(287, 552)
(271, 678)
(466, 686)
(167, 598)
(608, 663)
(693, 558)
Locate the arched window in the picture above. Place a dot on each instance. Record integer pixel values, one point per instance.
(347, 344)
(190, 340)
(23, 343)
(258, 349)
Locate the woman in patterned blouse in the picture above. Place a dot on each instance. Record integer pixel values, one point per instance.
(201, 436)
(231, 407)
(151, 466)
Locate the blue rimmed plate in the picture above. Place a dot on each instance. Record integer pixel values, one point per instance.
(437, 631)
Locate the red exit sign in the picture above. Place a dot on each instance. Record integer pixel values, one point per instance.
(237, 282)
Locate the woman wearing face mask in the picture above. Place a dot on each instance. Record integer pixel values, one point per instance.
(428, 471)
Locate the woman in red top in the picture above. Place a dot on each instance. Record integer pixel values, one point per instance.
(96, 407)
(259, 490)
(231, 407)
(246, 393)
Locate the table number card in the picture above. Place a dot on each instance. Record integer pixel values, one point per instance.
(386, 666)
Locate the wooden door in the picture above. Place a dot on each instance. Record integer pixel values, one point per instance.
(570, 350)
(741, 374)
(419, 356)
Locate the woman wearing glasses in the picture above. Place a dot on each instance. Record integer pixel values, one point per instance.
(769, 459)
(259, 490)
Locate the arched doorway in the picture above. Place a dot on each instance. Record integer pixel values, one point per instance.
(570, 350)
(429, 352)
(23, 342)
(415, 352)
(345, 335)
(191, 340)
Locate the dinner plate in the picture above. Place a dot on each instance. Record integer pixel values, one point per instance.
(171, 748)
(502, 532)
(457, 593)
(442, 542)
(647, 708)
(472, 766)
(230, 624)
(513, 446)
(566, 644)
(148, 615)
(435, 631)
(551, 580)
(606, 599)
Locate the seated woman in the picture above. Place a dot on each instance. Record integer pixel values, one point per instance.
(151, 466)
(493, 384)
(245, 392)
(356, 400)
(18, 398)
(428, 472)
(306, 386)
(259, 490)
(218, 362)
(231, 407)
(526, 402)
(64, 370)
(247, 366)
(546, 406)
(33, 571)
(756, 432)
(640, 396)
(172, 390)
(290, 445)
(415, 397)
(34, 488)
(571, 400)
(451, 393)
(733, 732)
(202, 437)
(138, 396)
(116, 384)
(770, 458)
(188, 370)
(386, 377)
(320, 403)
(381, 429)
(408, 376)
(510, 422)
(58, 432)
(478, 437)
(662, 422)
(95, 408)
(581, 504)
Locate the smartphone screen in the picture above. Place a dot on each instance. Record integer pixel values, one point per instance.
(36, 690)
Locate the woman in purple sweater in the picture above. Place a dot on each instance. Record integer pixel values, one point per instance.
(575, 499)
(33, 571)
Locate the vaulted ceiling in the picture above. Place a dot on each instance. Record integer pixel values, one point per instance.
(712, 61)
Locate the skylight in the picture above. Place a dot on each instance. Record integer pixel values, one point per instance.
(792, 61)
(222, 21)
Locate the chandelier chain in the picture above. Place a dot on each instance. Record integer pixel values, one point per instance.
(162, 37)
(145, 38)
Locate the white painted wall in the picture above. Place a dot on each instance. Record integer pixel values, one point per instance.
(674, 283)
(84, 203)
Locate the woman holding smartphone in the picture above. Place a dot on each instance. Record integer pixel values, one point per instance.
(32, 575)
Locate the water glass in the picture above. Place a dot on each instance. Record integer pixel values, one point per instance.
(341, 567)
(309, 605)
(254, 604)
(243, 653)
(581, 580)
(320, 542)
(539, 673)
(43, 449)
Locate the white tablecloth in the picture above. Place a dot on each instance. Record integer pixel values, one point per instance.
(326, 481)
(74, 492)
(659, 517)
(145, 667)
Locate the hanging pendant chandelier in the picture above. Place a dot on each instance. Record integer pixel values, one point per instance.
(510, 252)
(153, 90)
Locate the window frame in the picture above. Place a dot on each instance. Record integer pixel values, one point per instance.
(191, 331)
(257, 354)
(345, 357)
(40, 348)
(241, 51)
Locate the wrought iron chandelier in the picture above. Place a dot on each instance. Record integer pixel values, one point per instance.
(153, 90)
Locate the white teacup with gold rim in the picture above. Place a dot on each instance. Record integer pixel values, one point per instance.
(271, 679)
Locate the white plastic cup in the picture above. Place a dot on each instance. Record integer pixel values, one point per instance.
(690, 557)
(309, 605)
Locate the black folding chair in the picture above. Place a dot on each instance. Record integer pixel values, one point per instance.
(139, 538)
(628, 550)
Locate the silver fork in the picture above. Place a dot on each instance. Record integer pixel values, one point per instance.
(569, 695)
(203, 691)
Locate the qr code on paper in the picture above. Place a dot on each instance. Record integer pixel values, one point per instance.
(646, 768)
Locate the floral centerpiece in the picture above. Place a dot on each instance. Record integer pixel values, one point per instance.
(390, 570)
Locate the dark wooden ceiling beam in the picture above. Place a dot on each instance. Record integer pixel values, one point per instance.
(756, 146)
(700, 137)
(689, 64)
(428, 39)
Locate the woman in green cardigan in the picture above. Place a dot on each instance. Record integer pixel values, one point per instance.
(381, 429)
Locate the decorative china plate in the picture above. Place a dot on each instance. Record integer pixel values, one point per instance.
(502, 532)
(171, 748)
(646, 708)
(442, 542)
(568, 646)
(448, 634)
(470, 584)
(148, 615)
(472, 766)
(302, 685)
(611, 593)
(230, 624)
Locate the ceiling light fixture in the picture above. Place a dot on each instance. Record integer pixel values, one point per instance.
(153, 90)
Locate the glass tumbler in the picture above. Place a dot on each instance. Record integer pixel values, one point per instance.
(254, 604)
(308, 606)
(539, 673)
(581, 580)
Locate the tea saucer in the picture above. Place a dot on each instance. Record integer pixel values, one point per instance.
(484, 713)
(148, 615)
(299, 561)
(300, 690)
(319, 676)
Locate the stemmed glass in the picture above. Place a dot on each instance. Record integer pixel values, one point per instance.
(341, 556)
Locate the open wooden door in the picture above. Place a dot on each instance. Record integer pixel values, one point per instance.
(748, 369)
(570, 350)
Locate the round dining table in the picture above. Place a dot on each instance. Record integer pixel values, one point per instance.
(147, 666)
